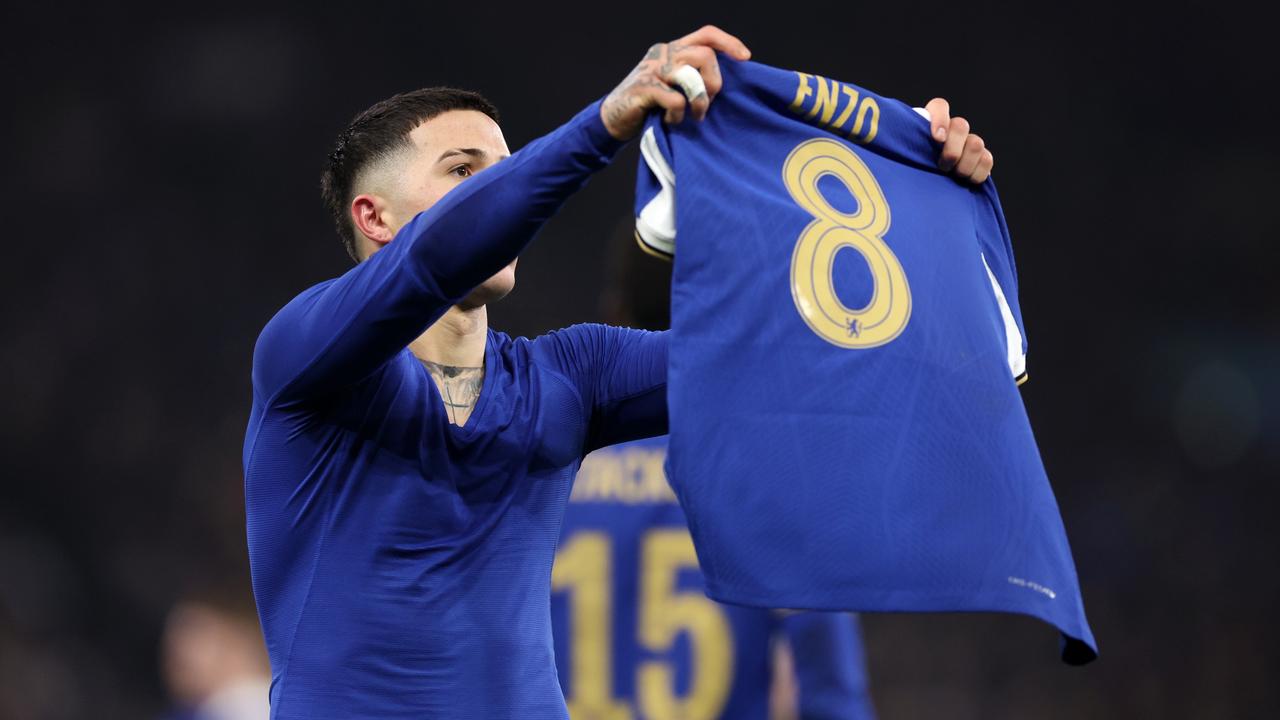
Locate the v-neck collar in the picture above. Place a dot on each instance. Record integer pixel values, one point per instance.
(482, 402)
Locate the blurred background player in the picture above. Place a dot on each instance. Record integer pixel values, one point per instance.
(213, 660)
(636, 636)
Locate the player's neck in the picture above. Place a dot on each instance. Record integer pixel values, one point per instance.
(457, 339)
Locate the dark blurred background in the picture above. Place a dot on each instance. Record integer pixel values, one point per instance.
(160, 174)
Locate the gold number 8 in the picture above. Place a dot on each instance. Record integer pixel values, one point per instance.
(812, 285)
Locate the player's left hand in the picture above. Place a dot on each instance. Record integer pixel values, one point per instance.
(964, 154)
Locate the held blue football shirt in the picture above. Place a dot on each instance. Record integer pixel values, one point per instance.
(636, 637)
(846, 430)
(402, 564)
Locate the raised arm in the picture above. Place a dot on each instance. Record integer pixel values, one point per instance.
(621, 376)
(340, 331)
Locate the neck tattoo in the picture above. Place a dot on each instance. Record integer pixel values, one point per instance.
(459, 387)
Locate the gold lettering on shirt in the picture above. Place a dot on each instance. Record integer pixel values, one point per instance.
(819, 100)
(632, 476)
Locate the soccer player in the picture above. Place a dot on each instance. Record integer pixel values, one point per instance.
(406, 467)
(637, 637)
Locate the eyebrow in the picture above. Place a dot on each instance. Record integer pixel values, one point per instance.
(473, 152)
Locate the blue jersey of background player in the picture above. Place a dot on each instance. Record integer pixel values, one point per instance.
(637, 637)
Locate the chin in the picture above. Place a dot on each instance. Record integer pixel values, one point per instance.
(494, 289)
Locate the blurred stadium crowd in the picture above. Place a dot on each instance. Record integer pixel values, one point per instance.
(162, 169)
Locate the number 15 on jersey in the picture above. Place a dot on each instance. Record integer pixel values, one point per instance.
(584, 569)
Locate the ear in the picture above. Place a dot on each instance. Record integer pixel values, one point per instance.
(369, 215)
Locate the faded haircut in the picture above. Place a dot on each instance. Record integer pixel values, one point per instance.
(377, 134)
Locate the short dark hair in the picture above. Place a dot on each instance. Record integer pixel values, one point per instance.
(378, 132)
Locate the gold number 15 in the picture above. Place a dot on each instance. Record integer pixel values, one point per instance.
(583, 566)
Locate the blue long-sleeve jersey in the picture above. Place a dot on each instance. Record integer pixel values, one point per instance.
(893, 466)
(402, 564)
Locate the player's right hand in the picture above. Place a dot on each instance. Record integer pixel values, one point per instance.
(652, 83)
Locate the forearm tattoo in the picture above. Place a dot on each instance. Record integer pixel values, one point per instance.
(459, 387)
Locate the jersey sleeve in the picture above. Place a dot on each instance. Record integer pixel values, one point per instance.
(656, 192)
(341, 331)
(997, 254)
(830, 670)
(621, 376)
